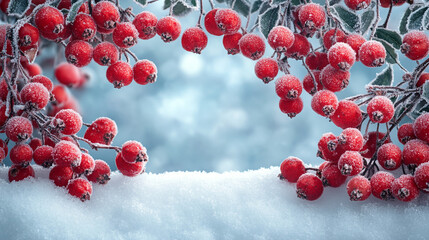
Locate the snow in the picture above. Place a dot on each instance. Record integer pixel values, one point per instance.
(200, 205)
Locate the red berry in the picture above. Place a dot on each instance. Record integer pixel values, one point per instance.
(380, 109)
(194, 40)
(67, 121)
(33, 69)
(387, 3)
(43, 156)
(120, 74)
(18, 129)
(300, 47)
(102, 130)
(317, 60)
(327, 146)
(2, 155)
(4, 5)
(35, 95)
(168, 28)
(389, 156)
(355, 41)
(381, 185)
(252, 46)
(266, 69)
(421, 177)
(421, 127)
(35, 143)
(292, 168)
(21, 154)
(331, 176)
(105, 15)
(3, 117)
(61, 175)
(347, 115)
(309, 187)
(323, 165)
(288, 87)
(66, 153)
(129, 169)
(308, 83)
(83, 27)
(28, 37)
(357, 4)
(350, 163)
(133, 151)
(406, 133)
(43, 80)
(67, 74)
(18, 172)
(3, 30)
(291, 107)
(329, 40)
(145, 23)
(334, 79)
(230, 43)
(372, 54)
(415, 152)
(415, 45)
(405, 189)
(80, 188)
(86, 166)
(50, 22)
(341, 56)
(350, 139)
(101, 172)
(210, 23)
(125, 35)
(79, 53)
(281, 38)
(359, 188)
(145, 72)
(324, 103)
(105, 54)
(370, 144)
(422, 79)
(313, 16)
(227, 21)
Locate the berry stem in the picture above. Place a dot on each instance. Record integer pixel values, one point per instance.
(96, 146)
(201, 14)
(211, 4)
(377, 19)
(311, 74)
(388, 15)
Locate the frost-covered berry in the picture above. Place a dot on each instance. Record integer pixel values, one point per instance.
(18, 172)
(125, 35)
(35, 143)
(3, 117)
(372, 54)
(83, 27)
(145, 23)
(120, 74)
(415, 152)
(102, 130)
(389, 156)
(291, 107)
(86, 166)
(317, 60)
(50, 22)
(421, 177)
(347, 115)
(67, 74)
(324, 103)
(357, 4)
(79, 53)
(2, 155)
(28, 37)
(252, 46)
(406, 133)
(230, 43)
(21, 154)
(334, 79)
(61, 175)
(129, 169)
(359, 188)
(101, 172)
(355, 41)
(80, 188)
(105, 54)
(332, 176)
(67, 121)
(18, 128)
(381, 185)
(33, 69)
(308, 82)
(370, 144)
(421, 127)
(350, 163)
(380, 109)
(415, 45)
(300, 47)
(266, 69)
(387, 3)
(329, 39)
(422, 79)
(309, 187)
(43, 156)
(350, 139)
(194, 40)
(280, 38)
(210, 23)
(43, 80)
(3, 30)
(35, 95)
(144, 72)
(4, 5)
(168, 28)
(405, 189)
(327, 147)
(228, 21)
(313, 16)
(105, 15)
(133, 151)
(292, 168)
(288, 87)
(341, 56)
(66, 153)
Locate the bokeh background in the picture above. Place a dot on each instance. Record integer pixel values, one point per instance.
(210, 112)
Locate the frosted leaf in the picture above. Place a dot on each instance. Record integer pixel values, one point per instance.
(142, 3)
(18, 7)
(385, 78)
(415, 22)
(268, 20)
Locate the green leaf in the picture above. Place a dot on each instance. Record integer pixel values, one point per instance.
(390, 36)
(403, 25)
(220, 1)
(142, 3)
(425, 93)
(277, 2)
(268, 20)
(295, 2)
(348, 19)
(333, 2)
(385, 78)
(415, 21)
(265, 6)
(190, 3)
(18, 7)
(366, 20)
(256, 6)
(391, 55)
(418, 109)
(74, 11)
(242, 7)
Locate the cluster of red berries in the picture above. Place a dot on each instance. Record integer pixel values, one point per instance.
(346, 155)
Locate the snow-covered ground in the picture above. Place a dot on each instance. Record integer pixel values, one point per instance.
(200, 205)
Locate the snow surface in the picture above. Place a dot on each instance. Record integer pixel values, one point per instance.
(200, 205)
